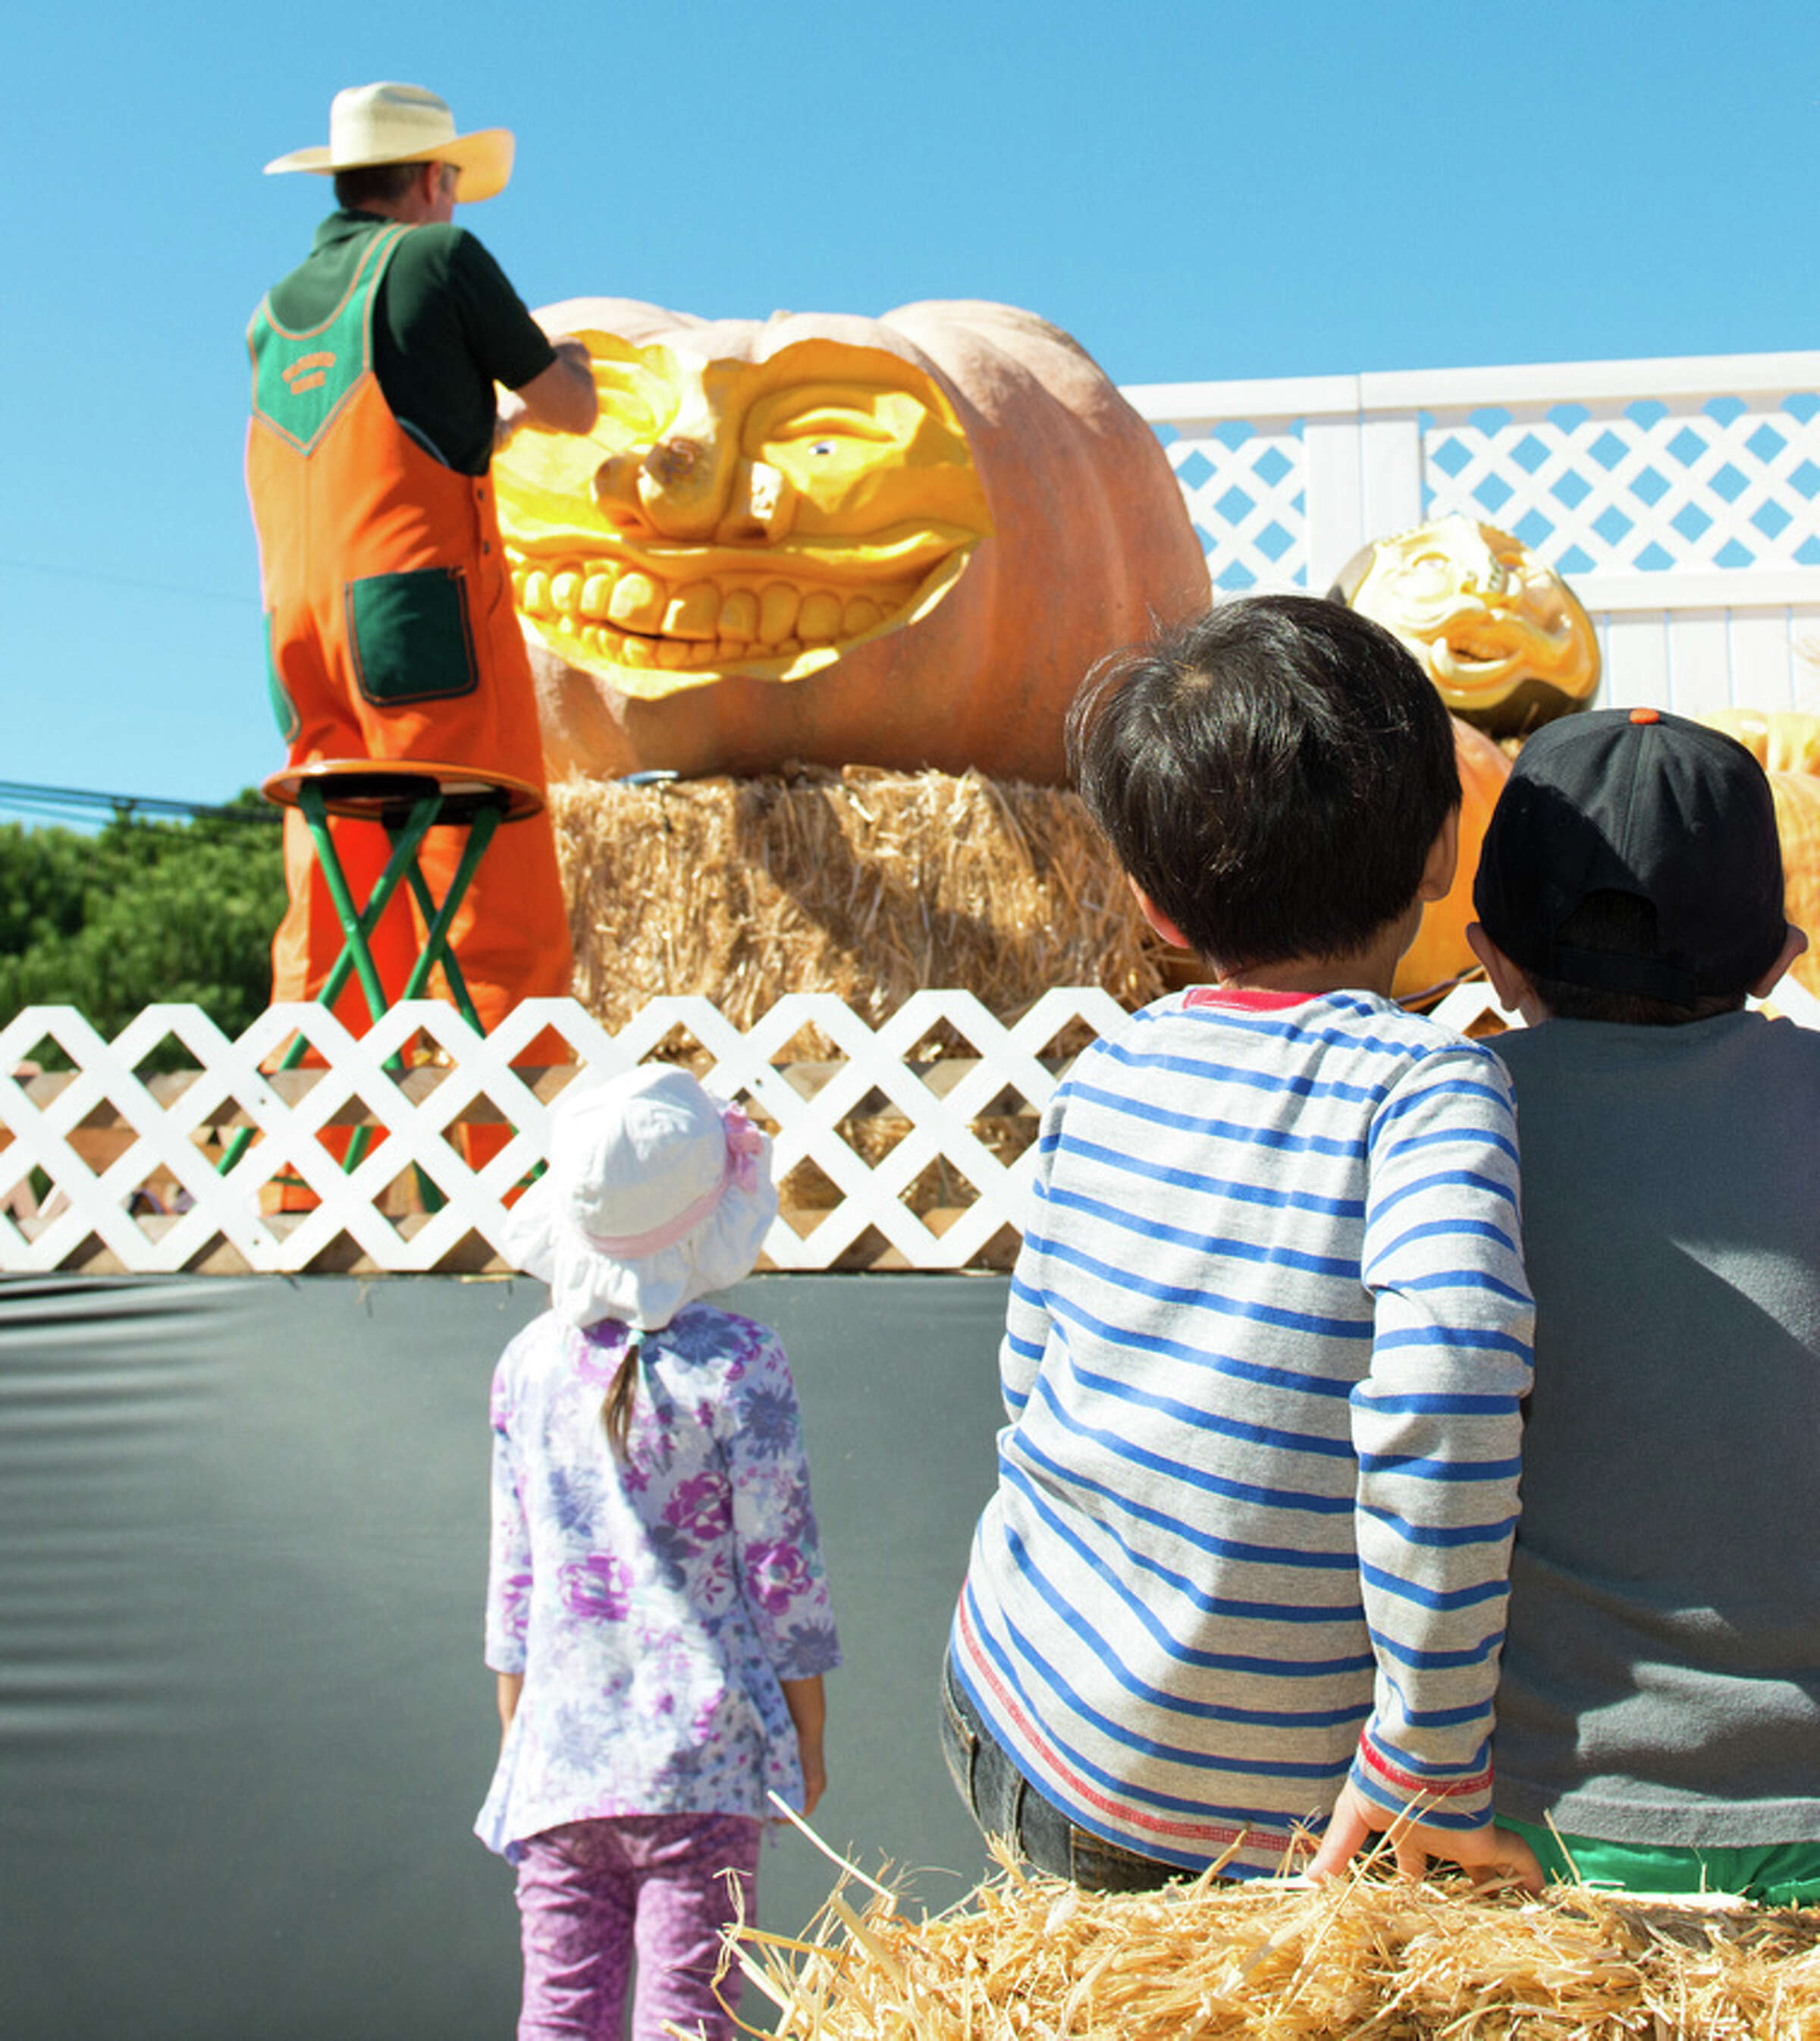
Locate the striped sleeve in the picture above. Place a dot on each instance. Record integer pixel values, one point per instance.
(1437, 1428)
(1027, 1319)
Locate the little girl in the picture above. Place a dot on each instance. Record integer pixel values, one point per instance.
(656, 1611)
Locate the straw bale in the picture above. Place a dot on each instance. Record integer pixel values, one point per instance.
(872, 885)
(869, 883)
(1030, 1959)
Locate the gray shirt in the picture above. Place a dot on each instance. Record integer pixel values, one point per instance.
(1661, 1680)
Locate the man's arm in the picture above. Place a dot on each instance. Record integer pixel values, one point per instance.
(561, 399)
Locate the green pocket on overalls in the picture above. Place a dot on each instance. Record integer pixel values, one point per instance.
(409, 636)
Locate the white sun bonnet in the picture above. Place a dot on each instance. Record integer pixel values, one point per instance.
(656, 1194)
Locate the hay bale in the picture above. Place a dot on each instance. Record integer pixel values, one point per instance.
(869, 883)
(1027, 1957)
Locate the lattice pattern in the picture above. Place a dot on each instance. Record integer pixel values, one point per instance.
(1244, 487)
(1727, 485)
(908, 1145)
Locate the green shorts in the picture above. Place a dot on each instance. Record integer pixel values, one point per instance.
(1772, 1874)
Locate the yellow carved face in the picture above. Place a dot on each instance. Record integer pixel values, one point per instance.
(728, 516)
(1490, 621)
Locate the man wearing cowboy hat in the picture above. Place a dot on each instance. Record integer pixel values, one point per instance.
(389, 616)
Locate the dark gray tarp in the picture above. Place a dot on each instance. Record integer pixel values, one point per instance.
(244, 1726)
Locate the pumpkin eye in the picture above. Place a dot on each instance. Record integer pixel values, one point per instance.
(824, 429)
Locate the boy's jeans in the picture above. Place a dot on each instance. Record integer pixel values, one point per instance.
(1004, 1803)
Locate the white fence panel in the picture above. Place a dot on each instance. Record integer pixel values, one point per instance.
(1680, 498)
(908, 1145)
(1634, 654)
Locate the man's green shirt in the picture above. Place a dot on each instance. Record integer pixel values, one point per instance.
(447, 326)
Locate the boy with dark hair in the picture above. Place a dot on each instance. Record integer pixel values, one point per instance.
(1268, 1330)
(1660, 1705)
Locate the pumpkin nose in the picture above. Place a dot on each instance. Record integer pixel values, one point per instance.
(675, 488)
(671, 463)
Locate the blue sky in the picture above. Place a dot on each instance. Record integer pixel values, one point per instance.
(1193, 190)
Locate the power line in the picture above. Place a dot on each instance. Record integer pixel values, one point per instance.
(245, 599)
(78, 803)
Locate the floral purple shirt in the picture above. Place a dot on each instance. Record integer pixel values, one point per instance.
(652, 1605)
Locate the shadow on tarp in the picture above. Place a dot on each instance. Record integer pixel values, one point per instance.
(244, 1724)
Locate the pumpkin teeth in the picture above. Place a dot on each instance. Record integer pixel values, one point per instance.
(604, 641)
(631, 616)
(777, 607)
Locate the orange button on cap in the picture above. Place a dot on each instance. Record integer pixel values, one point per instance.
(1645, 716)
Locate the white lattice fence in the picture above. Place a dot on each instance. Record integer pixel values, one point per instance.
(1682, 497)
(904, 1146)
(1243, 484)
(1727, 486)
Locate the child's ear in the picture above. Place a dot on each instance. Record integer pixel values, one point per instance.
(1793, 944)
(1508, 980)
(1443, 861)
(1157, 918)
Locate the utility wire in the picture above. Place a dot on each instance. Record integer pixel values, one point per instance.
(76, 803)
(245, 599)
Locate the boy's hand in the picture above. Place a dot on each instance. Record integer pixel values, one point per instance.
(1355, 1820)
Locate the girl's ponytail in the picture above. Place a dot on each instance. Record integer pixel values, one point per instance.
(616, 1405)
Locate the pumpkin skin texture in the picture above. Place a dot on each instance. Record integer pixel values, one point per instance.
(1440, 951)
(897, 542)
(1781, 740)
(1786, 743)
(1798, 826)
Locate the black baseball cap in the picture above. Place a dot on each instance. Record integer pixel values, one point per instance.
(1639, 802)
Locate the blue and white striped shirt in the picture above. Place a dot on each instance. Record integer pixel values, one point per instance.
(1267, 1341)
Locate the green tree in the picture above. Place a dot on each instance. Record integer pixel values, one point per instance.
(142, 911)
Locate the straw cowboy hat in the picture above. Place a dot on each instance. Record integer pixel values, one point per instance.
(656, 1194)
(403, 124)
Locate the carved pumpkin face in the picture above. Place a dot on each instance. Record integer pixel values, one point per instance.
(1501, 634)
(743, 517)
(897, 542)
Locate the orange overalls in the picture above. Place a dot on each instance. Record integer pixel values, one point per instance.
(391, 634)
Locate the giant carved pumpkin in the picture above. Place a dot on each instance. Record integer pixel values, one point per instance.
(897, 542)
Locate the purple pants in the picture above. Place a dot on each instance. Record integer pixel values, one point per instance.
(593, 1893)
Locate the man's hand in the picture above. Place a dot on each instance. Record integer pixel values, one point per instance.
(1355, 1820)
(561, 398)
(512, 412)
